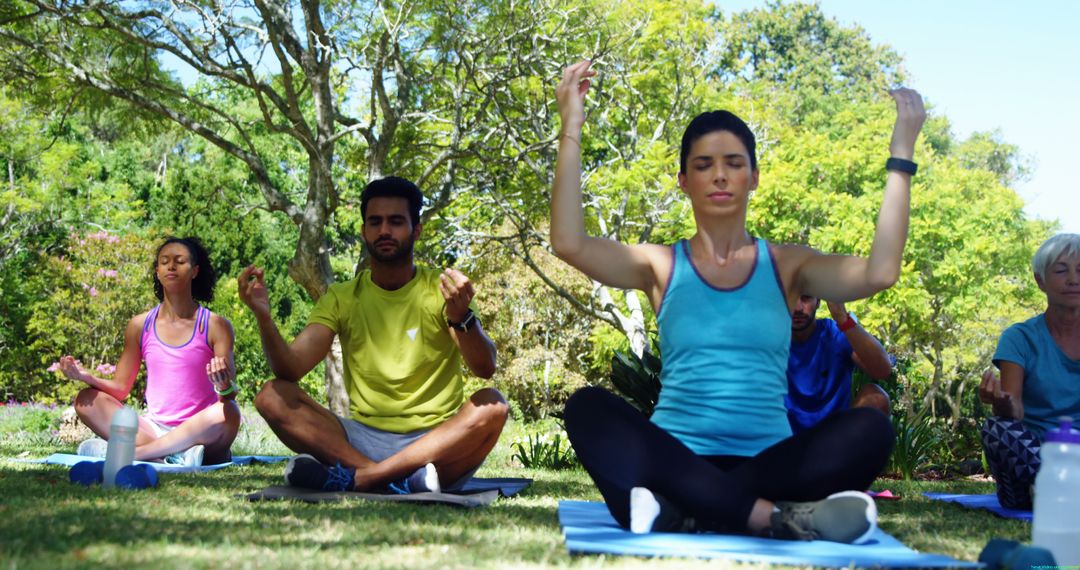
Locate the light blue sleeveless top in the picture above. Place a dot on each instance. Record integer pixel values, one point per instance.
(725, 354)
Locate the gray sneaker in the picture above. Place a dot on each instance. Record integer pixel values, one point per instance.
(190, 457)
(848, 516)
(93, 447)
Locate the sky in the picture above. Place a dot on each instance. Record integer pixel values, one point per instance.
(990, 65)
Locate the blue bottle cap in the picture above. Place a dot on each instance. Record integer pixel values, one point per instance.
(1064, 433)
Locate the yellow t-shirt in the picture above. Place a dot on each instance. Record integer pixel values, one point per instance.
(402, 369)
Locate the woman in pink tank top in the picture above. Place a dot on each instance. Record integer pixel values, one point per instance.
(191, 414)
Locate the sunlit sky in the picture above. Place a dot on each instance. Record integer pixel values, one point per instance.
(986, 65)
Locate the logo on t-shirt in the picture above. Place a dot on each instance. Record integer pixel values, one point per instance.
(412, 333)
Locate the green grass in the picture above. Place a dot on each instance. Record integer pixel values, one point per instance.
(198, 521)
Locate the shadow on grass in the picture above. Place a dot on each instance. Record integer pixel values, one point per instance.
(44, 514)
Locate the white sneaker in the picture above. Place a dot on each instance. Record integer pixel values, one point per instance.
(93, 447)
(847, 516)
(190, 457)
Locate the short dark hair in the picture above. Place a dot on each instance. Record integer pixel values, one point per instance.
(202, 287)
(712, 121)
(393, 187)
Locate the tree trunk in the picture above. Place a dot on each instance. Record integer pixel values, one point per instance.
(310, 268)
(635, 325)
(337, 395)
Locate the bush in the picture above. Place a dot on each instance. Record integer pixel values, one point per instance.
(27, 418)
(95, 287)
(543, 450)
(915, 442)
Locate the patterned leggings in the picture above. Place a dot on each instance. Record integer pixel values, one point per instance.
(1012, 452)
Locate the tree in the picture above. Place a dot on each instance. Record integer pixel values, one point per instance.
(650, 56)
(416, 89)
(795, 47)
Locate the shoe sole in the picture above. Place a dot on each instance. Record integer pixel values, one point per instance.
(292, 463)
(871, 511)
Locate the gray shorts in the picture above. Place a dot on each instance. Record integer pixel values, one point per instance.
(377, 445)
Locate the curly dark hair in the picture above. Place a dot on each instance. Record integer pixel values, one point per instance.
(202, 288)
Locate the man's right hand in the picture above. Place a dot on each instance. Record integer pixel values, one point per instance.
(252, 289)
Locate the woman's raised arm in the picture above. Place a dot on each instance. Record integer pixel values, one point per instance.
(846, 278)
(608, 261)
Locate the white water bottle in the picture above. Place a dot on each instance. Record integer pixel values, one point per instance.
(121, 450)
(1056, 525)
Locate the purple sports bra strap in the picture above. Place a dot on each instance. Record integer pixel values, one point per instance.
(150, 318)
(202, 323)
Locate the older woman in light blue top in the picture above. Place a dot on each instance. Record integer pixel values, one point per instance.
(1039, 363)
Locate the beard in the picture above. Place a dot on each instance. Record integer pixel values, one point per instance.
(402, 251)
(807, 321)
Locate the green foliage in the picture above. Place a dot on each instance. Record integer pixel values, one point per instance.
(31, 419)
(544, 450)
(794, 46)
(96, 286)
(637, 379)
(541, 340)
(915, 441)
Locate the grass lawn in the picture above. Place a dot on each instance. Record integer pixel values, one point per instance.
(197, 521)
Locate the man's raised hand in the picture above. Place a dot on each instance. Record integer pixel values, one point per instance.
(252, 290)
(458, 292)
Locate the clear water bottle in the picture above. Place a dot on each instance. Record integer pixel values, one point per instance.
(1056, 525)
(121, 449)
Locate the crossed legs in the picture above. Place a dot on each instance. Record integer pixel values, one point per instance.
(214, 427)
(456, 447)
(622, 449)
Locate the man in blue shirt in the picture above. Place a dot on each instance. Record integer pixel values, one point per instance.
(824, 353)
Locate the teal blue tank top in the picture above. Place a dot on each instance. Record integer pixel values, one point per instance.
(725, 354)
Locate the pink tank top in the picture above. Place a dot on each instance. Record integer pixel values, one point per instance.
(176, 383)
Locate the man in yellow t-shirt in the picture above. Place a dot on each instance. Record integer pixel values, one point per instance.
(404, 332)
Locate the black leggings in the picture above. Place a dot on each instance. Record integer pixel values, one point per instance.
(622, 449)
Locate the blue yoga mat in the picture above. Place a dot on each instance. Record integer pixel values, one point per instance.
(69, 460)
(985, 502)
(589, 529)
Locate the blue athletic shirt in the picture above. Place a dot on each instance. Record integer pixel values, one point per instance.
(1051, 378)
(725, 355)
(819, 376)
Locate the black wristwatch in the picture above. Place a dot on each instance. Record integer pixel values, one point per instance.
(466, 324)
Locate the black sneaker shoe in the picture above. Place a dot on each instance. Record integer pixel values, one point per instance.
(423, 480)
(650, 512)
(309, 473)
(848, 516)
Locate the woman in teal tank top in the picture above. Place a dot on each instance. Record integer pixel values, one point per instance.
(718, 452)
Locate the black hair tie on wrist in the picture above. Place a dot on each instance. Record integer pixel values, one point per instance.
(901, 165)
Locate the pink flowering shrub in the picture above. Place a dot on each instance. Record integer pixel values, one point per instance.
(98, 284)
